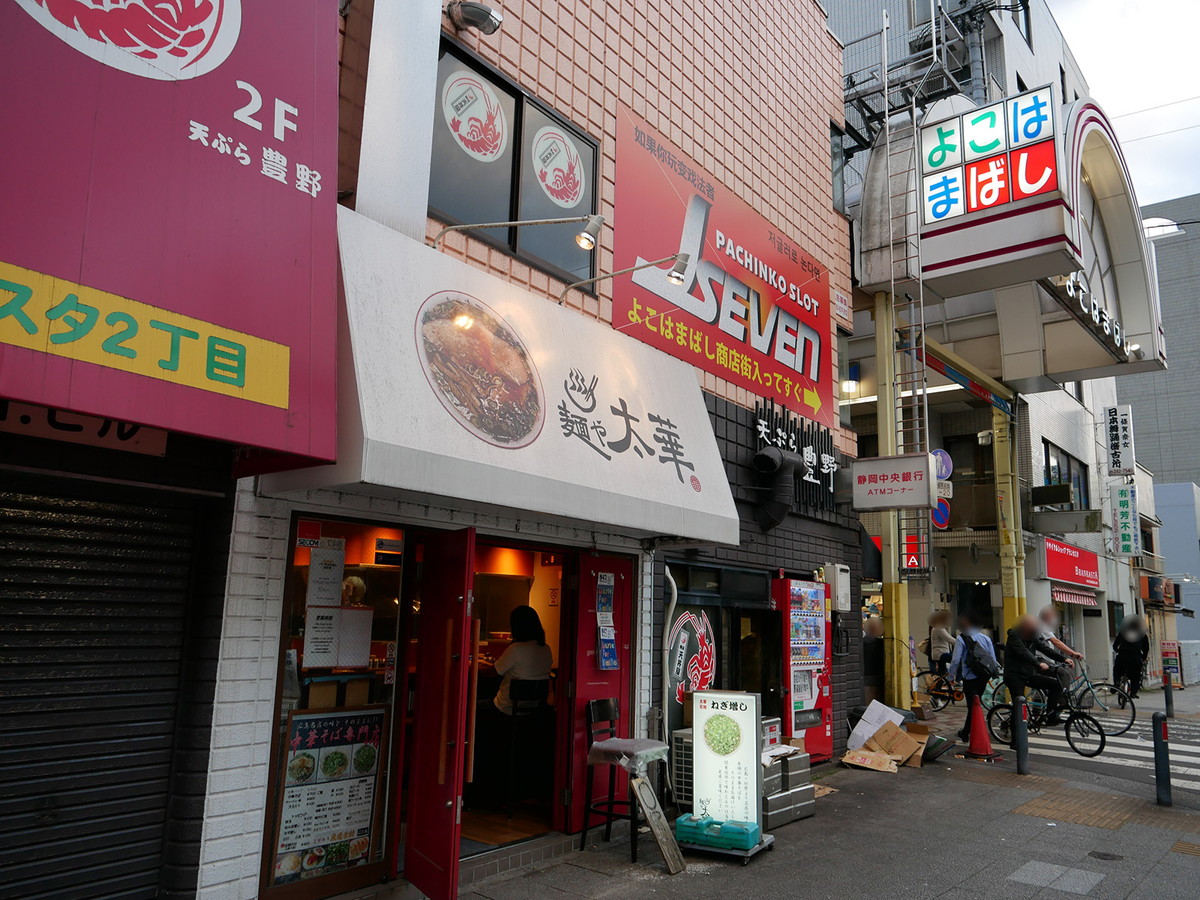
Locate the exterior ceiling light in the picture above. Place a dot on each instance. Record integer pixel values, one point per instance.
(480, 16)
(675, 276)
(679, 263)
(586, 239)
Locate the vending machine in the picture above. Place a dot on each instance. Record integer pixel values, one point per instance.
(808, 700)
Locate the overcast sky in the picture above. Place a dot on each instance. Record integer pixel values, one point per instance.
(1137, 54)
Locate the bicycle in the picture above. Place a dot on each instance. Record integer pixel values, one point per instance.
(1109, 704)
(996, 694)
(941, 690)
(1083, 732)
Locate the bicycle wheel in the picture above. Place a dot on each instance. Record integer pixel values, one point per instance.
(995, 694)
(1111, 706)
(999, 722)
(1084, 734)
(938, 687)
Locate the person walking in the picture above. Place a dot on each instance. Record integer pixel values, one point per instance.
(1023, 669)
(1131, 647)
(966, 666)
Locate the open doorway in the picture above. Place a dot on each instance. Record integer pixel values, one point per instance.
(517, 635)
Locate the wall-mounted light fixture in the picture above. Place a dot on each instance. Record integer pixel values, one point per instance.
(679, 263)
(466, 14)
(586, 239)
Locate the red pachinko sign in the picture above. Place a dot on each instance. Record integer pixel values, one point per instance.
(1071, 564)
(168, 243)
(753, 307)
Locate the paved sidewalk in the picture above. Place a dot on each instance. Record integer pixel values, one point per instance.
(956, 829)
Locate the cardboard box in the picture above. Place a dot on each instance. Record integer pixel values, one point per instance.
(322, 695)
(797, 772)
(893, 741)
(876, 716)
(797, 742)
(920, 734)
(869, 759)
(772, 779)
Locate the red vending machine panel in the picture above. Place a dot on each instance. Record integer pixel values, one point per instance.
(808, 701)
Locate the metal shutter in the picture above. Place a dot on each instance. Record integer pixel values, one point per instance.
(94, 580)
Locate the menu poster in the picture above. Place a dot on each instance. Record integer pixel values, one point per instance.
(606, 632)
(727, 756)
(338, 637)
(331, 782)
(326, 562)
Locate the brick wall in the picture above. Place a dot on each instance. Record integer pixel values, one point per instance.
(748, 93)
(243, 714)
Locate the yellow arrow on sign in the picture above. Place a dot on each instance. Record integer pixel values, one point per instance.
(813, 399)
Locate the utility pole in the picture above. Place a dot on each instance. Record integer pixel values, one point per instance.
(897, 671)
(1008, 518)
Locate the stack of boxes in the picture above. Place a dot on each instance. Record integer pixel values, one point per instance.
(787, 783)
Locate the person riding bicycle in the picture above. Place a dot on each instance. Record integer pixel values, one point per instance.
(1132, 647)
(1048, 619)
(964, 668)
(1023, 668)
(941, 641)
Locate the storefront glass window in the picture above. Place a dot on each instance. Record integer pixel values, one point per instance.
(341, 610)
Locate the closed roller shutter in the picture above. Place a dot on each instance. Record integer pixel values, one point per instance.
(94, 581)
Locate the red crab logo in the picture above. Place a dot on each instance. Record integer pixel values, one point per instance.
(701, 667)
(559, 168)
(168, 40)
(474, 114)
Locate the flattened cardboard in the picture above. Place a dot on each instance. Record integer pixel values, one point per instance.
(869, 759)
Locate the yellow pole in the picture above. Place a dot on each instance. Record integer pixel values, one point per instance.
(897, 672)
(1008, 522)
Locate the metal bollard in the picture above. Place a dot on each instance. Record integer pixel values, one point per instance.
(1169, 695)
(1020, 734)
(1162, 760)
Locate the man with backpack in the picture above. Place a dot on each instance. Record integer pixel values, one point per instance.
(973, 663)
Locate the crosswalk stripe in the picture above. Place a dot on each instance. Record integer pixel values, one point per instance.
(1178, 767)
(1185, 783)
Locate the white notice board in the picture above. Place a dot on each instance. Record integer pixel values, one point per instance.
(727, 756)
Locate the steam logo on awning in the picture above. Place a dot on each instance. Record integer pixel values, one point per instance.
(559, 170)
(474, 116)
(167, 40)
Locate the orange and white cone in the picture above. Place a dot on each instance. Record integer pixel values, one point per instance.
(981, 742)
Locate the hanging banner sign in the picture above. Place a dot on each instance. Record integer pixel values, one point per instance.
(1118, 437)
(753, 308)
(1127, 535)
(895, 482)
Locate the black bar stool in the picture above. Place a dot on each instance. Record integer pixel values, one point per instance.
(606, 749)
(528, 699)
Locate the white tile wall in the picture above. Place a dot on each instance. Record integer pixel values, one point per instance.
(235, 814)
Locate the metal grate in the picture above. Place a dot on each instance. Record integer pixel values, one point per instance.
(681, 767)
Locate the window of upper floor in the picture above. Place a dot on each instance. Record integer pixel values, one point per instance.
(1060, 467)
(501, 155)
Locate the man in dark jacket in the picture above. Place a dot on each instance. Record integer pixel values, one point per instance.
(1023, 669)
(1131, 647)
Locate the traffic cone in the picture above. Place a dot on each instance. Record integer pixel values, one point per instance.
(981, 742)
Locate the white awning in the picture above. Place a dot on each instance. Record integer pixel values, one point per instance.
(465, 386)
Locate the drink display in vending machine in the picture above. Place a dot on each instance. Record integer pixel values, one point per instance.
(808, 703)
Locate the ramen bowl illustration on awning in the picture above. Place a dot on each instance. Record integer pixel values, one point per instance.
(480, 369)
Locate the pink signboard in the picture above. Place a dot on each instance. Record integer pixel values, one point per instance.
(167, 250)
(1071, 564)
